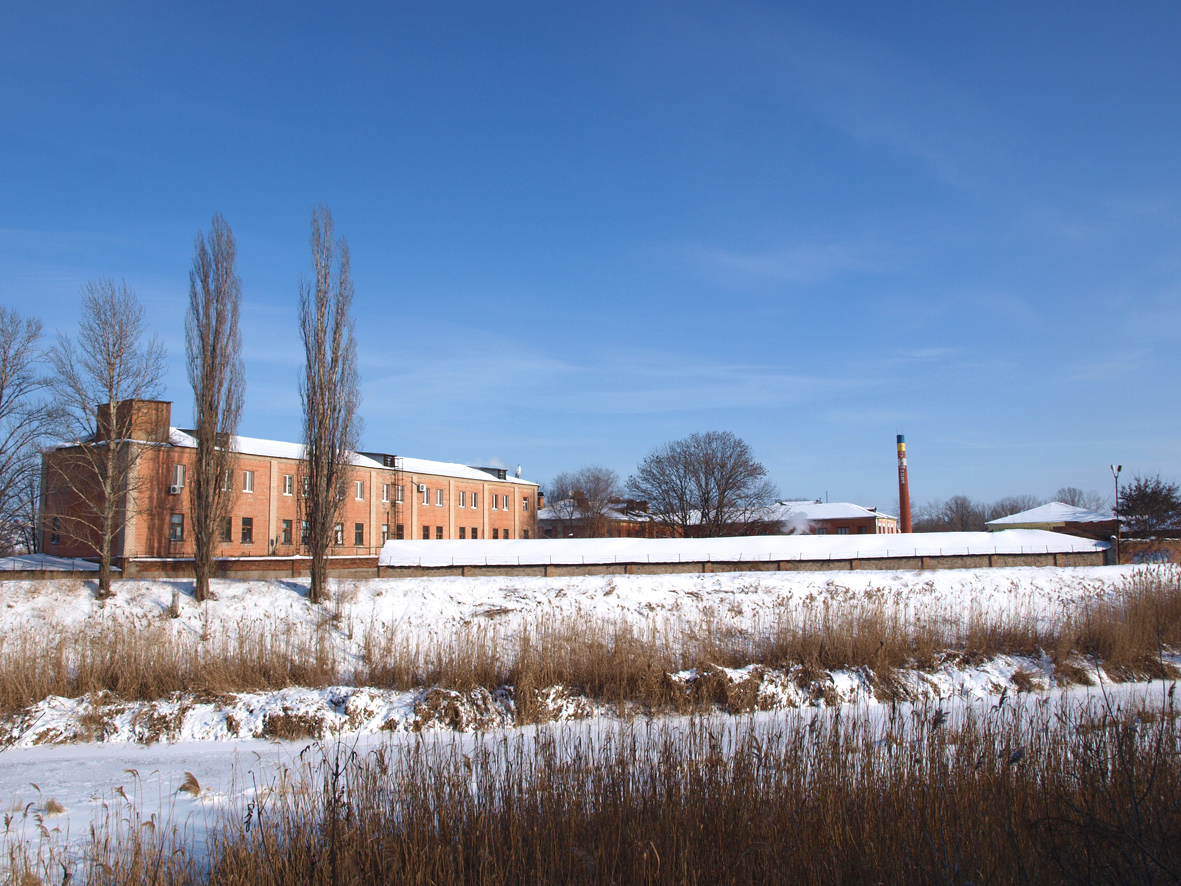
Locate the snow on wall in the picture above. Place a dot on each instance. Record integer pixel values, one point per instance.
(575, 551)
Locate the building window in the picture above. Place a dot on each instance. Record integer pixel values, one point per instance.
(549, 533)
(303, 532)
(227, 530)
(861, 530)
(398, 492)
(385, 532)
(400, 530)
(247, 530)
(475, 500)
(426, 532)
(496, 502)
(55, 532)
(426, 495)
(842, 530)
(248, 481)
(461, 532)
(286, 532)
(475, 532)
(506, 534)
(385, 491)
(176, 528)
(360, 490)
(525, 533)
(338, 534)
(307, 486)
(438, 498)
(226, 482)
(524, 503)
(178, 476)
(822, 531)
(358, 534)
(438, 532)
(462, 499)
(288, 484)
(506, 502)
(496, 533)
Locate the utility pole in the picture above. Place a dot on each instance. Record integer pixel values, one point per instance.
(1115, 469)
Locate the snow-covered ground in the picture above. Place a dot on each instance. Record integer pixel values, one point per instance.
(59, 799)
(425, 609)
(430, 613)
(53, 787)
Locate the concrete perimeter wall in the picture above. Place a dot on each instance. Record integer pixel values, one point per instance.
(265, 568)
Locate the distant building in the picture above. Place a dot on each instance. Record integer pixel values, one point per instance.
(389, 497)
(569, 518)
(831, 518)
(1059, 517)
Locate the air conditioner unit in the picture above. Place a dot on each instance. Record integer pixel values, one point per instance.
(422, 487)
(175, 490)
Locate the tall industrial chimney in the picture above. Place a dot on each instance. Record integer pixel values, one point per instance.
(903, 487)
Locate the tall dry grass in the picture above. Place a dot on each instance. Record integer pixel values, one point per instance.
(1012, 795)
(611, 662)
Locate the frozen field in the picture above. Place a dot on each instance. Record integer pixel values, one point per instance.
(53, 790)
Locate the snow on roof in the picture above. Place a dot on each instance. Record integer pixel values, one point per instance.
(283, 449)
(570, 511)
(785, 511)
(1055, 513)
(576, 551)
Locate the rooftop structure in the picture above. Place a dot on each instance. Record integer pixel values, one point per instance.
(1059, 517)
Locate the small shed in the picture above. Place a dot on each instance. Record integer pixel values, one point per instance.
(1059, 517)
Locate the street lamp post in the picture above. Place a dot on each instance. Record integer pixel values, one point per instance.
(1115, 469)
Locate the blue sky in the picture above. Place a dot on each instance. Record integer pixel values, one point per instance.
(581, 230)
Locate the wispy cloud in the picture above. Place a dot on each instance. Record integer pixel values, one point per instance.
(809, 262)
(500, 374)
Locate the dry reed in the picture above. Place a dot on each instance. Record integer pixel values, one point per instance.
(1016, 794)
(609, 662)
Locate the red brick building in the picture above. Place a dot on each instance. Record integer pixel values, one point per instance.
(388, 497)
(832, 518)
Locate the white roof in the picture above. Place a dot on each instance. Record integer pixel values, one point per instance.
(822, 510)
(283, 449)
(1055, 513)
(575, 551)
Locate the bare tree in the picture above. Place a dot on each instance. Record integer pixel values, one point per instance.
(1072, 495)
(1012, 504)
(582, 499)
(958, 514)
(561, 503)
(213, 346)
(597, 487)
(330, 391)
(23, 422)
(110, 362)
(705, 485)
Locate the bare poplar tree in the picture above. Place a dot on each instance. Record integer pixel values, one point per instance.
(213, 346)
(705, 485)
(23, 421)
(330, 391)
(111, 360)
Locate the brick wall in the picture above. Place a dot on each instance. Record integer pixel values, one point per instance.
(502, 509)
